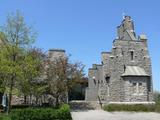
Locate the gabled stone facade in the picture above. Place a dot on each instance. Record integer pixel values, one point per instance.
(125, 73)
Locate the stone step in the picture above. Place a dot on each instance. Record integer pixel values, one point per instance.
(83, 105)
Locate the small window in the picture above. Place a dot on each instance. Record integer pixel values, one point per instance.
(134, 84)
(122, 53)
(124, 68)
(140, 84)
(132, 55)
(107, 79)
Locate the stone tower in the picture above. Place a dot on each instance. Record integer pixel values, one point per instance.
(56, 53)
(125, 73)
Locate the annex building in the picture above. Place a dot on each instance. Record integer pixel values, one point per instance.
(124, 74)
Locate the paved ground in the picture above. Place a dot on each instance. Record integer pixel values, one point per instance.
(102, 115)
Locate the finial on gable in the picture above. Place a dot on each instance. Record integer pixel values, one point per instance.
(123, 15)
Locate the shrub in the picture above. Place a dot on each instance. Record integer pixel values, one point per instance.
(136, 107)
(63, 113)
(157, 109)
(20, 106)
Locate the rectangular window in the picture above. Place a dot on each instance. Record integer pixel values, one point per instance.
(140, 84)
(132, 55)
(134, 84)
(140, 88)
(134, 88)
(137, 88)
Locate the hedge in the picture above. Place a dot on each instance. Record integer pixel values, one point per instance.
(136, 108)
(63, 113)
(20, 106)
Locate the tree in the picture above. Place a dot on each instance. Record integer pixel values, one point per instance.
(32, 69)
(61, 76)
(157, 97)
(2, 71)
(18, 37)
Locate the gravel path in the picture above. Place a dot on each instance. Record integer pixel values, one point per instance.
(103, 115)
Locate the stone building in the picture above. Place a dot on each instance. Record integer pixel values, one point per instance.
(56, 54)
(125, 73)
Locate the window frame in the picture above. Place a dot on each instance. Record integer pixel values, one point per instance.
(137, 85)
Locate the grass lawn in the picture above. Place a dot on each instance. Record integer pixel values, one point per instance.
(4, 117)
(130, 108)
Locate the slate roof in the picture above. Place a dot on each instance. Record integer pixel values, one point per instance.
(134, 71)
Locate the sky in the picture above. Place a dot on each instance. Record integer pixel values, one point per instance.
(85, 28)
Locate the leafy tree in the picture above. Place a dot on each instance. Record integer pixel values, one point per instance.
(32, 68)
(61, 76)
(157, 97)
(2, 71)
(18, 37)
(35, 76)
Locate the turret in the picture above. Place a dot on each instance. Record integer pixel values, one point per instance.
(105, 57)
(126, 29)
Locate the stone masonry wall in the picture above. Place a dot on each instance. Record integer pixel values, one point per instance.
(127, 50)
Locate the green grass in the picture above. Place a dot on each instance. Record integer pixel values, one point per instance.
(4, 117)
(130, 108)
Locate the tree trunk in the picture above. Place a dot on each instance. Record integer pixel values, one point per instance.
(30, 100)
(25, 99)
(10, 94)
(57, 101)
(36, 100)
(67, 97)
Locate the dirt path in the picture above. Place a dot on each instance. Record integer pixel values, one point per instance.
(103, 115)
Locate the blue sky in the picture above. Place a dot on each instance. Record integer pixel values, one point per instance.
(85, 28)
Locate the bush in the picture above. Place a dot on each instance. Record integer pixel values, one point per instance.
(20, 106)
(157, 109)
(63, 113)
(136, 108)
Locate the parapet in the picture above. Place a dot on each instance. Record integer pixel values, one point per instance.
(56, 53)
(57, 50)
(142, 37)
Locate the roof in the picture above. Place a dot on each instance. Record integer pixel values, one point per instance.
(105, 52)
(131, 35)
(134, 71)
(57, 50)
